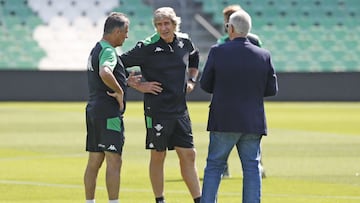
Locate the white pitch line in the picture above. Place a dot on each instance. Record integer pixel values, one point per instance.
(41, 157)
(16, 182)
(314, 196)
(42, 184)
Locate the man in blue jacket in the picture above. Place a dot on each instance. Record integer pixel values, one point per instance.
(239, 75)
(254, 39)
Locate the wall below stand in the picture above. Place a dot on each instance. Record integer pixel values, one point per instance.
(72, 86)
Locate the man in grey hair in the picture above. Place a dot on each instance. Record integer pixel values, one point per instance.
(239, 75)
(169, 62)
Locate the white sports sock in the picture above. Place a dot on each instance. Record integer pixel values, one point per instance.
(90, 201)
(114, 201)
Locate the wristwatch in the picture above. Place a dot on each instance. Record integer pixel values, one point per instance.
(193, 80)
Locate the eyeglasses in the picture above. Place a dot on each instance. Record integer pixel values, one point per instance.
(227, 25)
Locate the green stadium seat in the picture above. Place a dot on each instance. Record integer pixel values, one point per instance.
(14, 26)
(319, 35)
(32, 21)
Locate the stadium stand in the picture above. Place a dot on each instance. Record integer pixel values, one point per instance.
(140, 26)
(18, 49)
(69, 31)
(311, 35)
(58, 35)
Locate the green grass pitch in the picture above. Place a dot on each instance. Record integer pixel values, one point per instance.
(312, 154)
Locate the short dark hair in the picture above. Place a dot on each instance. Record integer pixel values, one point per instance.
(114, 20)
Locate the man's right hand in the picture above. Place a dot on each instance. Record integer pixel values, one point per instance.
(119, 98)
(135, 82)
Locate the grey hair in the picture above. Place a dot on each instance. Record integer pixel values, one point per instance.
(167, 12)
(241, 21)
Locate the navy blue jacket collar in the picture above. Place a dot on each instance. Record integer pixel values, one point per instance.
(241, 39)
